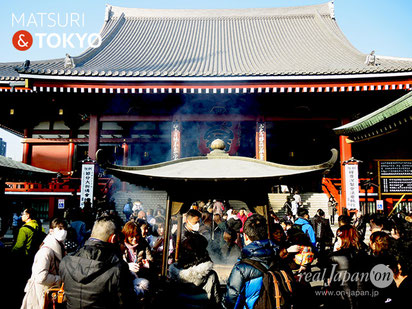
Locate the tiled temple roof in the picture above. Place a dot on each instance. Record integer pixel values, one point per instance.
(229, 43)
(386, 119)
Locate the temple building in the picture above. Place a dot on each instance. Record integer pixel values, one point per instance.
(272, 83)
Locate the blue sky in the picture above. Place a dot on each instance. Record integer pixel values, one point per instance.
(381, 25)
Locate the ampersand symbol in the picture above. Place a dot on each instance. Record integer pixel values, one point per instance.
(22, 40)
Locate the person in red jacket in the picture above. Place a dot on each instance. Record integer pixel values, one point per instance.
(243, 214)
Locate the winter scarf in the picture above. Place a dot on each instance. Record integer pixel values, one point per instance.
(131, 251)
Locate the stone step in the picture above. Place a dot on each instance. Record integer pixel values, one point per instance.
(311, 201)
(151, 199)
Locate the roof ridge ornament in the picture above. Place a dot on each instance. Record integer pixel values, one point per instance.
(26, 65)
(331, 5)
(371, 58)
(218, 148)
(69, 62)
(108, 13)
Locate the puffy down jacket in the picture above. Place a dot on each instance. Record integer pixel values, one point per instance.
(245, 281)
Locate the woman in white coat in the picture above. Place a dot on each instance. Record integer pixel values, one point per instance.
(45, 269)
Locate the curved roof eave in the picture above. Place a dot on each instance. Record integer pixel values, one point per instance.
(11, 170)
(376, 117)
(220, 78)
(216, 168)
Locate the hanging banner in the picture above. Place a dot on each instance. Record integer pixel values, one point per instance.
(87, 184)
(175, 141)
(352, 186)
(261, 141)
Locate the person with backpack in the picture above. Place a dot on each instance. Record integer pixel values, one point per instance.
(127, 209)
(303, 224)
(256, 275)
(30, 237)
(45, 269)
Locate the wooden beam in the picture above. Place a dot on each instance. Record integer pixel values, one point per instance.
(94, 136)
(208, 118)
(86, 140)
(364, 84)
(167, 231)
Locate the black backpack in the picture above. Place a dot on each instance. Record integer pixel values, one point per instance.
(37, 240)
(297, 227)
(277, 287)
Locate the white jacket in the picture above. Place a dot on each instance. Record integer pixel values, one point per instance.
(45, 273)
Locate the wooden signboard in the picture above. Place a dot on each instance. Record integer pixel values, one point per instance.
(395, 177)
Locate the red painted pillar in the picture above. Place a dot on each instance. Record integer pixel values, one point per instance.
(261, 141)
(26, 158)
(26, 153)
(389, 205)
(94, 135)
(125, 147)
(345, 154)
(52, 201)
(70, 157)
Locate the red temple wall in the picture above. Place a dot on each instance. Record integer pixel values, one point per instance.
(51, 157)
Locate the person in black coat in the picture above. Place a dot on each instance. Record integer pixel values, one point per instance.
(230, 251)
(379, 256)
(194, 282)
(401, 267)
(96, 276)
(324, 235)
(233, 222)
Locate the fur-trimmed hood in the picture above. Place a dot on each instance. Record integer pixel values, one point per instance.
(195, 274)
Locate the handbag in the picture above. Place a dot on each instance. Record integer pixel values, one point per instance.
(55, 297)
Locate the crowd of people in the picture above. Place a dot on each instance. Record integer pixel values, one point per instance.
(105, 261)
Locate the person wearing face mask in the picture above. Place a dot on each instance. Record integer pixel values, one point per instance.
(45, 269)
(191, 231)
(192, 226)
(194, 282)
(192, 223)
